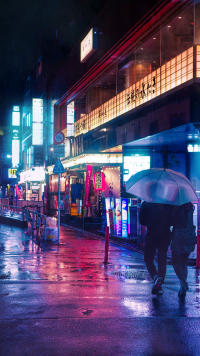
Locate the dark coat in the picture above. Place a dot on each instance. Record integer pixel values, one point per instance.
(156, 217)
(183, 235)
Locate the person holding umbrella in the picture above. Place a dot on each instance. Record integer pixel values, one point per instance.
(157, 219)
(183, 243)
(161, 187)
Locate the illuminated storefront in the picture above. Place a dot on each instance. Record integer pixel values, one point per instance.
(87, 190)
(32, 182)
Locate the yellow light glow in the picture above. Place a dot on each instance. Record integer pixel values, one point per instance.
(172, 74)
(90, 158)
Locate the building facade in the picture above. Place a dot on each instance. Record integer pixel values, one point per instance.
(126, 98)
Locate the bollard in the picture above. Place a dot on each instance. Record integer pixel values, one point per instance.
(198, 249)
(106, 245)
(45, 224)
(33, 223)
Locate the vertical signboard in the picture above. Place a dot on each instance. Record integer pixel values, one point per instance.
(112, 182)
(107, 211)
(15, 136)
(38, 156)
(89, 45)
(15, 152)
(16, 116)
(37, 122)
(87, 185)
(124, 218)
(67, 204)
(70, 119)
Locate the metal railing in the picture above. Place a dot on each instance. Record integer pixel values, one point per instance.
(35, 219)
(11, 211)
(31, 214)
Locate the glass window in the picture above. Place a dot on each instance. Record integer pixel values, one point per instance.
(101, 92)
(177, 35)
(173, 38)
(80, 107)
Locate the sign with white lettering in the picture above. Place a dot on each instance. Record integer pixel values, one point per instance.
(89, 44)
(37, 122)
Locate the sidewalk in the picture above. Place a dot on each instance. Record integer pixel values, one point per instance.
(63, 300)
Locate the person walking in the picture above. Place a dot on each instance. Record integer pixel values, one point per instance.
(183, 243)
(157, 218)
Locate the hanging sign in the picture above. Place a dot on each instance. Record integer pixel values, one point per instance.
(87, 185)
(67, 187)
(112, 182)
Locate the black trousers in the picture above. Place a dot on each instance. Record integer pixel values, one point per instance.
(179, 261)
(153, 243)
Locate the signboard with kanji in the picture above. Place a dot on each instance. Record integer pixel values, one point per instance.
(112, 182)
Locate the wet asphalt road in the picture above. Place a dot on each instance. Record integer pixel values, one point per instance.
(65, 301)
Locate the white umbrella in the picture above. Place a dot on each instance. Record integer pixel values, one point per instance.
(159, 185)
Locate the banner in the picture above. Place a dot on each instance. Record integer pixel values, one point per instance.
(87, 185)
(118, 217)
(124, 218)
(112, 182)
(66, 198)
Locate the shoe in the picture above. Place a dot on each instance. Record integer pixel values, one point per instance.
(157, 288)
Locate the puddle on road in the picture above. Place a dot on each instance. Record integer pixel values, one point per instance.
(133, 272)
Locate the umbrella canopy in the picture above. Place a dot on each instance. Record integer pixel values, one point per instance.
(159, 185)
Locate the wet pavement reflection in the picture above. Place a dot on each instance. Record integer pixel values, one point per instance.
(66, 292)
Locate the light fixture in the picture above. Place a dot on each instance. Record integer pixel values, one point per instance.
(9, 156)
(51, 149)
(154, 38)
(141, 48)
(179, 17)
(169, 26)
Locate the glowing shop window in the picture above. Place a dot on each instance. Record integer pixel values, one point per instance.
(134, 164)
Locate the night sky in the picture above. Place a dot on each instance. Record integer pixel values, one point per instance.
(25, 26)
